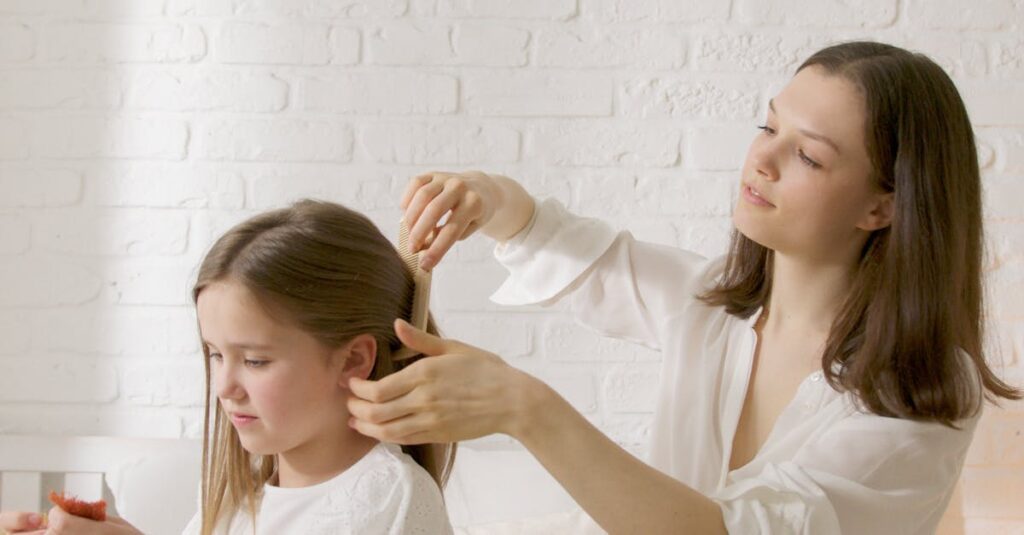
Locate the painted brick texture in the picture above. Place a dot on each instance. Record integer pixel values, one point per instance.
(134, 132)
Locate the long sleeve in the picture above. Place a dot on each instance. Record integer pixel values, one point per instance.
(618, 286)
(867, 474)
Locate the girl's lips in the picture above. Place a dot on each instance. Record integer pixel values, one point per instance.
(751, 196)
(242, 419)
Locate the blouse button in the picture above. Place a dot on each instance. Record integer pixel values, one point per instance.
(817, 376)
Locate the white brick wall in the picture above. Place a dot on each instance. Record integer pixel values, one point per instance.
(133, 132)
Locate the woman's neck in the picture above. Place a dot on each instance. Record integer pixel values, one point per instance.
(322, 459)
(805, 296)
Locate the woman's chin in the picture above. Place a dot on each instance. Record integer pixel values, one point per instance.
(751, 230)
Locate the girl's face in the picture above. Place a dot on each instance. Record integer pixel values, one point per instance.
(806, 186)
(282, 389)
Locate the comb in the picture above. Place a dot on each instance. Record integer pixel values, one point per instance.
(421, 293)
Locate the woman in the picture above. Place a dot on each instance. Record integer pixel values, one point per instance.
(825, 377)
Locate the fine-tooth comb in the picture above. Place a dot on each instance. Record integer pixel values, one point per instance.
(421, 293)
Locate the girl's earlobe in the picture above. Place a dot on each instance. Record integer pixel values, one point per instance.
(360, 358)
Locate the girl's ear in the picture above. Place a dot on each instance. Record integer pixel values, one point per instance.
(880, 215)
(359, 354)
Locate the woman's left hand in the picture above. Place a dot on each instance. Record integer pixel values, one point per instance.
(459, 392)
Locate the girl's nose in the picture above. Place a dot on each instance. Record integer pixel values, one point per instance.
(226, 384)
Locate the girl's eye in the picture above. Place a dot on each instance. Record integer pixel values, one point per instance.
(216, 356)
(810, 163)
(255, 363)
(766, 129)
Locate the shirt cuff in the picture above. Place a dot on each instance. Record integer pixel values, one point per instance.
(549, 254)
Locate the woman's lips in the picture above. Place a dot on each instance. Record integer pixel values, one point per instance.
(751, 195)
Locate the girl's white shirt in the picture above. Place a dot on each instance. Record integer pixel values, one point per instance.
(826, 466)
(385, 492)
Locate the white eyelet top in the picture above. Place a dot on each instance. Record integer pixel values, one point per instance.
(384, 493)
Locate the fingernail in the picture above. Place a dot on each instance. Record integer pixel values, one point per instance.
(34, 519)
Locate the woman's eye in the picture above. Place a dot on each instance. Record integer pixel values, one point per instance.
(766, 129)
(811, 163)
(255, 363)
(216, 356)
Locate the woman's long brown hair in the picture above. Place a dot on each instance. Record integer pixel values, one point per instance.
(335, 276)
(915, 305)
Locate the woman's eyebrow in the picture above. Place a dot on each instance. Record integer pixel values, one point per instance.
(813, 135)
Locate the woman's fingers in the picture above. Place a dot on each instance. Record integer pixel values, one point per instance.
(436, 248)
(431, 216)
(462, 223)
(423, 196)
(386, 389)
(20, 521)
(443, 208)
(414, 185)
(421, 341)
(378, 413)
(398, 431)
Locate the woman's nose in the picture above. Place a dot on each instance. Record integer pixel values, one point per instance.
(764, 157)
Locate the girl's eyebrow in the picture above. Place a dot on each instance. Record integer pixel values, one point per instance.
(813, 135)
(251, 347)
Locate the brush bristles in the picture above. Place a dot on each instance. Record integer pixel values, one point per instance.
(421, 290)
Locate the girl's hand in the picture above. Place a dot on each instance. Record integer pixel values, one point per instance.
(62, 523)
(473, 201)
(20, 522)
(459, 393)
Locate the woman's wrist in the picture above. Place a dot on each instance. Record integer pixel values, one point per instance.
(515, 207)
(535, 405)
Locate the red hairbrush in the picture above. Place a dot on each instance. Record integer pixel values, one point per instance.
(92, 510)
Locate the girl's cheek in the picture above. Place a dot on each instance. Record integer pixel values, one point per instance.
(271, 392)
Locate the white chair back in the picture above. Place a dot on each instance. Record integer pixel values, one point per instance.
(152, 483)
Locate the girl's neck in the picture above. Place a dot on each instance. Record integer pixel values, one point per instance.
(805, 296)
(321, 460)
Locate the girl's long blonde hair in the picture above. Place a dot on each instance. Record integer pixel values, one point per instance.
(336, 276)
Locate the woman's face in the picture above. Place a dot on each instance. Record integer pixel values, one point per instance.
(282, 389)
(806, 187)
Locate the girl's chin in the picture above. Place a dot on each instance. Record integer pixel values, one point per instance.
(254, 448)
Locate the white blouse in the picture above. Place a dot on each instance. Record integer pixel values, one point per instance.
(826, 466)
(384, 493)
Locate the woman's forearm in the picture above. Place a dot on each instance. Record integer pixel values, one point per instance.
(620, 492)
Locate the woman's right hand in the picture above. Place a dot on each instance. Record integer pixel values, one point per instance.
(496, 205)
(459, 393)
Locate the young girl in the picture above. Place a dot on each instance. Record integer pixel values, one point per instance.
(292, 304)
(826, 376)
